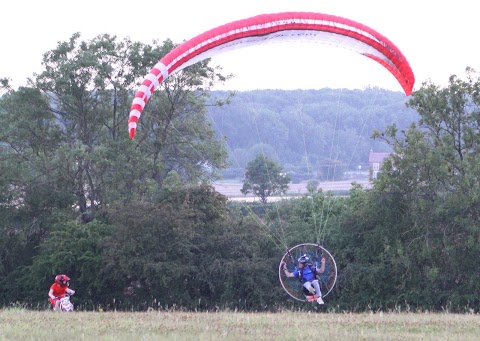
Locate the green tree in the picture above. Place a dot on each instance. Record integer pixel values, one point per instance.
(158, 251)
(31, 192)
(264, 178)
(65, 151)
(75, 249)
(423, 214)
(67, 132)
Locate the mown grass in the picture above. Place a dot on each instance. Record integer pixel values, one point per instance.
(20, 324)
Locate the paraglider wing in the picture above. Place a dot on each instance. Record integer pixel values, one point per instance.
(288, 26)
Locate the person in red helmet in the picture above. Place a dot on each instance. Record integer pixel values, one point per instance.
(58, 290)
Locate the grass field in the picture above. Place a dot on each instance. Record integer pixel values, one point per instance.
(19, 324)
(231, 189)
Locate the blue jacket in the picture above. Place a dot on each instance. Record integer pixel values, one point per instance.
(307, 274)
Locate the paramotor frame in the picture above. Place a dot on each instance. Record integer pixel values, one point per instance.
(315, 252)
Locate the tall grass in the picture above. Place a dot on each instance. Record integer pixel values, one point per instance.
(22, 324)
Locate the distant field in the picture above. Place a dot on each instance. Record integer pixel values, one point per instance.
(16, 324)
(231, 189)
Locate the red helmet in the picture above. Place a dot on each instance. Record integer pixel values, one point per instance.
(62, 280)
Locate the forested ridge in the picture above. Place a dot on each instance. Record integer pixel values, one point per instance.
(308, 131)
(138, 225)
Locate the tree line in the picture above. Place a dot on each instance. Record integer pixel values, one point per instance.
(138, 224)
(313, 134)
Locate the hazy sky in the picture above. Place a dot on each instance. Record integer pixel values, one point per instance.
(439, 38)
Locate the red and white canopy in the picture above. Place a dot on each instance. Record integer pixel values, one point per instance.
(289, 26)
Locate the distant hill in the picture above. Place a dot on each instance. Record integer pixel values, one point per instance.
(311, 133)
